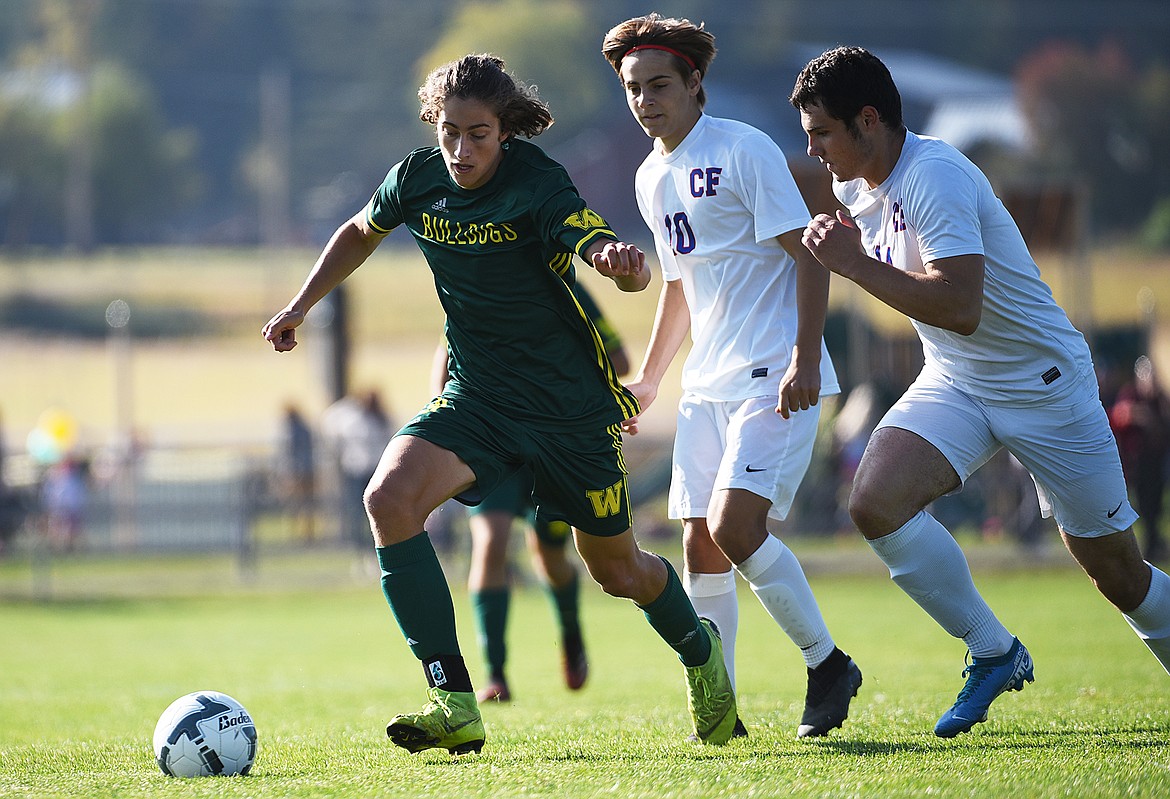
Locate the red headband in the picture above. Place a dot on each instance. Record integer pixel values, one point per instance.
(663, 48)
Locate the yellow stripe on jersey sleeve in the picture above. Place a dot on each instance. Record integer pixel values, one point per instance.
(595, 234)
(370, 219)
(592, 226)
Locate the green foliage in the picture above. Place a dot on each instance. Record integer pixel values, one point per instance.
(32, 168)
(1156, 232)
(1098, 118)
(322, 670)
(142, 168)
(355, 66)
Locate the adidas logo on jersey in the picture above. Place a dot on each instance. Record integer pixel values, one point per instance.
(441, 205)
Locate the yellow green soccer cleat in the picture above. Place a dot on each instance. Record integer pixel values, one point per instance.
(449, 721)
(710, 697)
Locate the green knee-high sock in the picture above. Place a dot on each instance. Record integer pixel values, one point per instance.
(416, 590)
(674, 619)
(566, 606)
(491, 614)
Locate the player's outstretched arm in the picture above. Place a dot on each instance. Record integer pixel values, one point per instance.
(348, 249)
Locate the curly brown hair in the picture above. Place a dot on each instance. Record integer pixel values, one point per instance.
(483, 77)
(692, 45)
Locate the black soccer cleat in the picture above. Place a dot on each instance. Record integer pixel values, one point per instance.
(826, 702)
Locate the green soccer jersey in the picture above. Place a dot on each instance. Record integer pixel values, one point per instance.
(502, 259)
(610, 339)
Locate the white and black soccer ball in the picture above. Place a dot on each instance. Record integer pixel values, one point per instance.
(204, 734)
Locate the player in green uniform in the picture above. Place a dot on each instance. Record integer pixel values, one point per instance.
(489, 583)
(499, 222)
(490, 523)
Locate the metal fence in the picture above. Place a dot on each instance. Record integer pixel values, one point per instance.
(221, 498)
(177, 499)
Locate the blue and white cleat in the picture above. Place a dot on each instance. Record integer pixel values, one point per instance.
(987, 678)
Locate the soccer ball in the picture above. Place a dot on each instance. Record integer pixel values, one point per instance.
(205, 734)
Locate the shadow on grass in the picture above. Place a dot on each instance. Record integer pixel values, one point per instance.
(1143, 737)
(1079, 738)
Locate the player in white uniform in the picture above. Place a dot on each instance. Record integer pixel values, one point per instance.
(727, 220)
(1004, 367)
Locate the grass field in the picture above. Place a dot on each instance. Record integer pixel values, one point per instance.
(314, 654)
(84, 677)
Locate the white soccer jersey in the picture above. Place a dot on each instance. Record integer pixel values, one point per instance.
(715, 205)
(937, 204)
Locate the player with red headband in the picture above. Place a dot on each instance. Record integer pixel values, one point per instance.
(727, 220)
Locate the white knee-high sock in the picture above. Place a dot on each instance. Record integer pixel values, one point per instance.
(779, 583)
(1151, 619)
(926, 562)
(713, 596)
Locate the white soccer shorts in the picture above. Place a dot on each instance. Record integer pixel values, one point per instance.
(1066, 445)
(742, 444)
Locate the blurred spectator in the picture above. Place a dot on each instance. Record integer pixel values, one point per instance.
(1005, 505)
(1023, 517)
(356, 430)
(851, 429)
(296, 472)
(53, 437)
(64, 500)
(11, 513)
(1140, 418)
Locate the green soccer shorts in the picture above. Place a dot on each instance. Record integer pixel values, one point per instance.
(514, 497)
(578, 473)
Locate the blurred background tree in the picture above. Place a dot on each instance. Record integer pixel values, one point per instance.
(1095, 115)
(143, 171)
(199, 121)
(32, 170)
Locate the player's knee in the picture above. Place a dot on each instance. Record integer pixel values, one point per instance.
(726, 528)
(616, 584)
(1115, 565)
(723, 536)
(376, 500)
(868, 510)
(558, 572)
(389, 510)
(1125, 585)
(614, 578)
